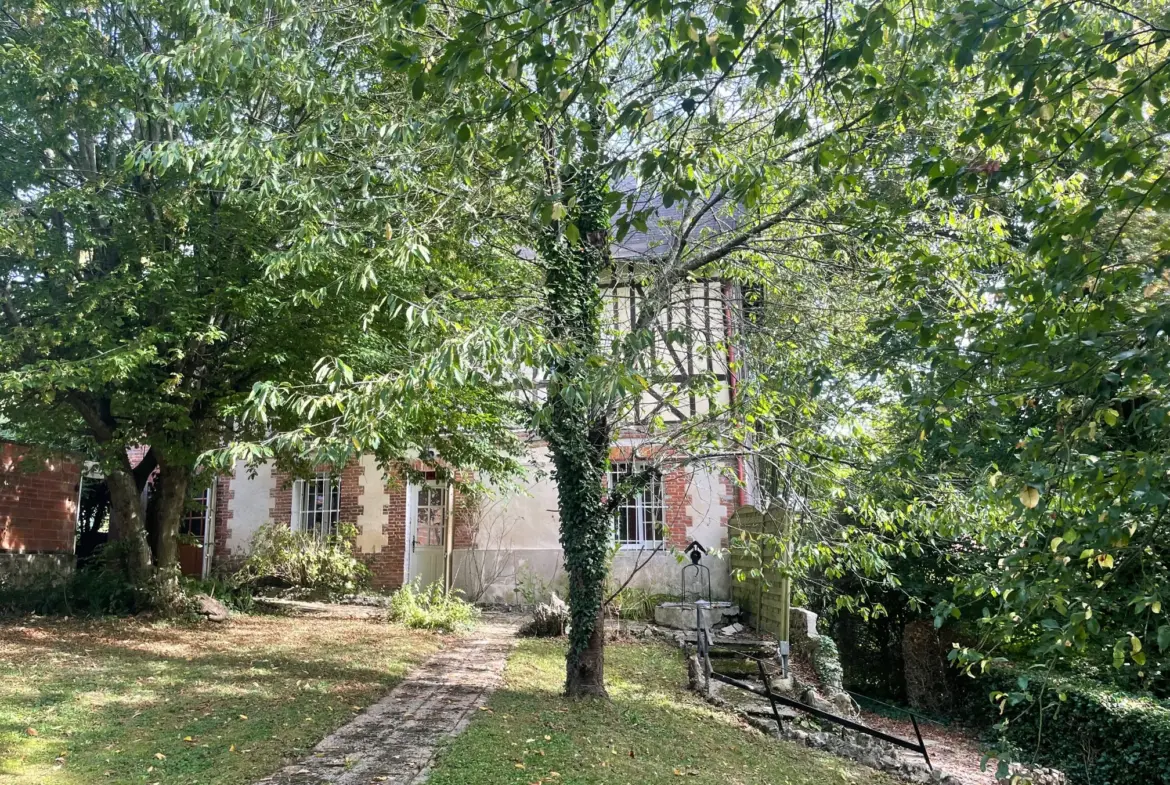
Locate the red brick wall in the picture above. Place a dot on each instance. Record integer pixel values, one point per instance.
(224, 493)
(351, 489)
(386, 566)
(280, 507)
(38, 502)
(678, 519)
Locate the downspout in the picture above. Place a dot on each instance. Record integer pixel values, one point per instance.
(732, 386)
(449, 539)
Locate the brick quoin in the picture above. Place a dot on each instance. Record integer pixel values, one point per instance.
(224, 493)
(386, 566)
(38, 502)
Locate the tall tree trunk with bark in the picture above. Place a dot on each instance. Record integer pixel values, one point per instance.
(127, 520)
(172, 489)
(577, 429)
(125, 483)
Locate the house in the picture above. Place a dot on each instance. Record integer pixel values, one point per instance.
(499, 550)
(507, 549)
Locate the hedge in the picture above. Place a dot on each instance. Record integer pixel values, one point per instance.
(1094, 734)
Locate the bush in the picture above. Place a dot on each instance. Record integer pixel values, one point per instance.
(549, 620)
(432, 608)
(1095, 734)
(284, 558)
(634, 604)
(235, 595)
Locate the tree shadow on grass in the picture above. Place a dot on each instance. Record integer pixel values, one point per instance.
(114, 695)
(650, 731)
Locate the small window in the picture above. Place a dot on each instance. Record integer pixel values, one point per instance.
(640, 519)
(430, 526)
(317, 505)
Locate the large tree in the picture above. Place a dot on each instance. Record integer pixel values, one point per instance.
(196, 198)
(652, 119)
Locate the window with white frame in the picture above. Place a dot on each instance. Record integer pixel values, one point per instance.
(430, 522)
(316, 504)
(641, 517)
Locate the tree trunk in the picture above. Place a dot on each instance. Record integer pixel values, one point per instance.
(585, 672)
(577, 428)
(580, 453)
(127, 521)
(172, 489)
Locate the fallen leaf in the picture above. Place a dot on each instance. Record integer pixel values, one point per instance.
(548, 738)
(188, 738)
(160, 756)
(243, 716)
(31, 731)
(521, 766)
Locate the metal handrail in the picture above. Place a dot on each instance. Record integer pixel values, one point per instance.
(774, 698)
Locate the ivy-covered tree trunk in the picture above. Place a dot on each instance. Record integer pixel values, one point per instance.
(577, 430)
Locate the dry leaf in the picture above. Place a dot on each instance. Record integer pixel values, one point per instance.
(160, 756)
(31, 731)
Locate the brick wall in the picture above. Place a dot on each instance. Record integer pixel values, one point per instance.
(678, 518)
(38, 502)
(224, 493)
(386, 566)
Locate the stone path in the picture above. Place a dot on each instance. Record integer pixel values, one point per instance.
(394, 741)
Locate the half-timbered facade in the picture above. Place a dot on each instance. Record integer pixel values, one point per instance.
(507, 549)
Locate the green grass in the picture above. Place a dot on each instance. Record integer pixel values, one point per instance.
(651, 731)
(122, 701)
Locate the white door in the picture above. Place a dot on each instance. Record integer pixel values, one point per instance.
(428, 527)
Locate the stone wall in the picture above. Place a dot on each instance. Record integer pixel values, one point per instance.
(22, 569)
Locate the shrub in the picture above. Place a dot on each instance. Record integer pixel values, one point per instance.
(1094, 733)
(636, 604)
(284, 558)
(549, 620)
(432, 608)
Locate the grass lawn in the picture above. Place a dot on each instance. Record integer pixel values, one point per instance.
(652, 731)
(123, 701)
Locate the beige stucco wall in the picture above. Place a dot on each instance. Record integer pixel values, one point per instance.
(518, 551)
(249, 504)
